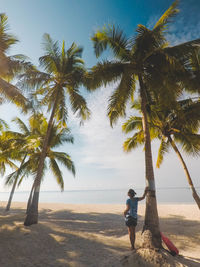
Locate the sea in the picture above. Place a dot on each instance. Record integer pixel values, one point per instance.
(115, 196)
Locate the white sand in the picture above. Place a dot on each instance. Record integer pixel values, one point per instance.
(88, 235)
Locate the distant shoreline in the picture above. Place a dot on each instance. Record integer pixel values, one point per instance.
(115, 189)
(98, 204)
(178, 196)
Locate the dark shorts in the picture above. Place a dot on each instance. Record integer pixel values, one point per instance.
(130, 221)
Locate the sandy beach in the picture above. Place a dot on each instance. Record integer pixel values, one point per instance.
(89, 235)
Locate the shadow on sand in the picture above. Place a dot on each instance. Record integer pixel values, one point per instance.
(64, 238)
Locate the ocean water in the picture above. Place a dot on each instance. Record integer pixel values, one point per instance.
(164, 195)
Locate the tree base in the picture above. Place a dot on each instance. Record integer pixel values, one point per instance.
(31, 218)
(147, 257)
(151, 240)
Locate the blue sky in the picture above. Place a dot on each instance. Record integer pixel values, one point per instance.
(99, 159)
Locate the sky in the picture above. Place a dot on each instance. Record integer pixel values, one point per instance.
(97, 152)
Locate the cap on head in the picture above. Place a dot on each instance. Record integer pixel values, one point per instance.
(131, 192)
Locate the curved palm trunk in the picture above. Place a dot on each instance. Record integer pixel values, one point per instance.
(32, 212)
(151, 229)
(194, 193)
(11, 194)
(30, 199)
(14, 186)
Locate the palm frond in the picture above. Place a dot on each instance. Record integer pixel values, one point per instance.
(163, 149)
(16, 65)
(104, 73)
(114, 38)
(12, 93)
(48, 97)
(166, 18)
(145, 43)
(57, 173)
(59, 138)
(190, 142)
(64, 159)
(50, 47)
(133, 142)
(3, 125)
(6, 39)
(120, 97)
(183, 51)
(2, 168)
(61, 113)
(78, 104)
(50, 64)
(52, 60)
(34, 79)
(75, 77)
(20, 180)
(22, 126)
(11, 178)
(4, 160)
(75, 51)
(132, 124)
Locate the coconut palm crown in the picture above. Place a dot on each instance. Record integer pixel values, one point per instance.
(63, 74)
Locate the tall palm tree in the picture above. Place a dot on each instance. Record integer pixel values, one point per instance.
(63, 74)
(28, 144)
(171, 126)
(146, 58)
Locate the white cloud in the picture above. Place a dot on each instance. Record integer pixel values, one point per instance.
(181, 29)
(183, 33)
(103, 145)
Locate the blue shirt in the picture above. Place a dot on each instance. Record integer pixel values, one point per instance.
(133, 204)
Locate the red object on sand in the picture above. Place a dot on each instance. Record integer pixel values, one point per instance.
(169, 244)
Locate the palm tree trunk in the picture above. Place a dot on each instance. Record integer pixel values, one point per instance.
(11, 194)
(189, 179)
(14, 186)
(30, 198)
(151, 229)
(32, 213)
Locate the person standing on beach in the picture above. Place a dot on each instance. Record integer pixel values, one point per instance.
(130, 214)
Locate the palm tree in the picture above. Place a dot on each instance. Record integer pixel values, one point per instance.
(171, 127)
(58, 136)
(18, 148)
(148, 59)
(63, 74)
(28, 144)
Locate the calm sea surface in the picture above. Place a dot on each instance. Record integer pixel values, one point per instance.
(169, 195)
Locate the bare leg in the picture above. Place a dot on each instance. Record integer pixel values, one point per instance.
(131, 232)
